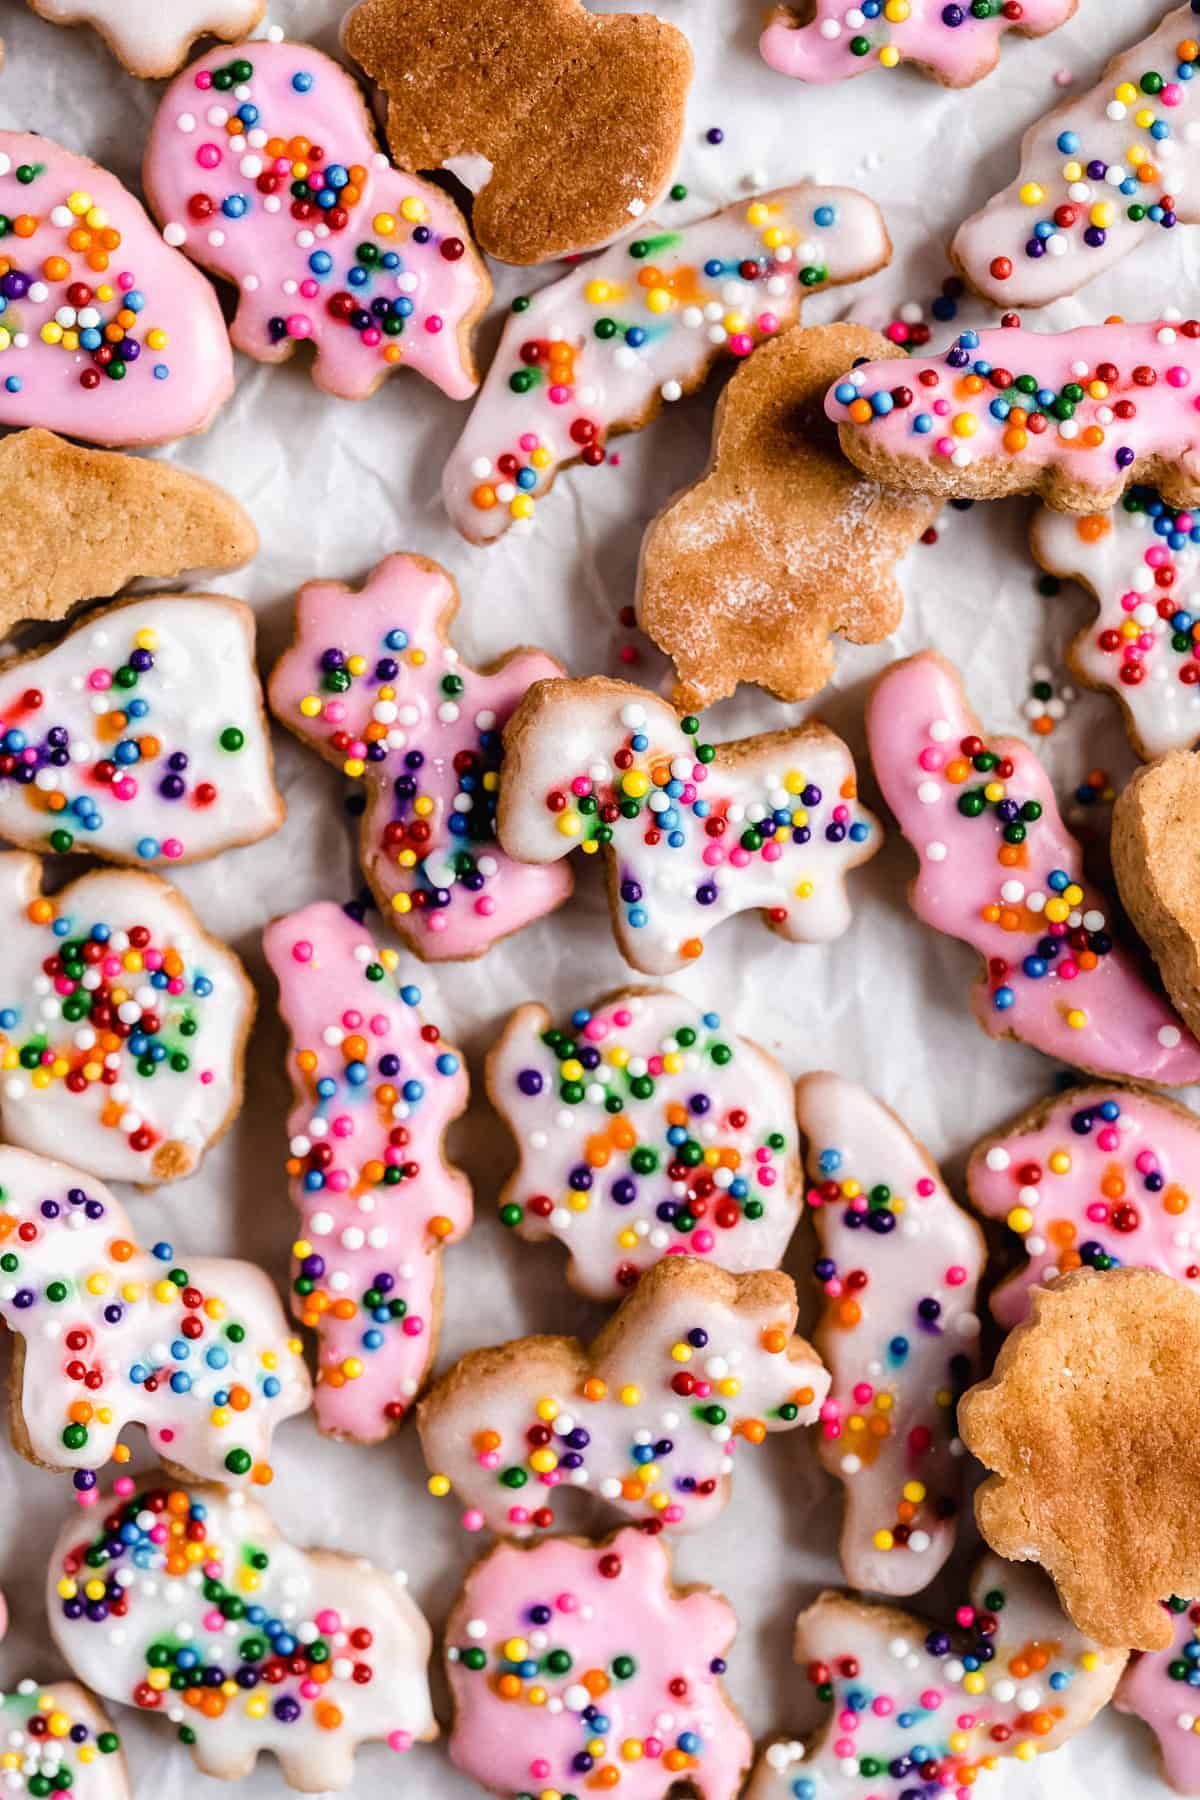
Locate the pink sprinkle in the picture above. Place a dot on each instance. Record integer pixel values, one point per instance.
(207, 1077)
(965, 1617)
(328, 1620)
(1097, 1212)
(567, 1603)
(172, 848)
(772, 851)
(739, 857)
(882, 1706)
(766, 1177)
(932, 759)
(1178, 376)
(945, 446)
(862, 1393)
(100, 680)
(518, 1515)
(704, 1241)
(558, 395)
(473, 1520)
(539, 1769)
(489, 1459)
(334, 711)
(768, 322)
(379, 1025)
(741, 343)
(897, 331)
(528, 440)
(1172, 94)
(1156, 556)
(87, 1496)
(941, 408)
(371, 336)
(652, 1746)
(125, 281)
(1108, 1139)
(123, 1485)
(299, 325)
(672, 1515)
(309, 1690)
(413, 1327)
(925, 1187)
(208, 156)
(955, 1276)
(1145, 1162)
(1062, 78)
(581, 785)
(436, 921)
(302, 951)
(931, 1699)
(204, 80)
(433, 324)
(399, 1740)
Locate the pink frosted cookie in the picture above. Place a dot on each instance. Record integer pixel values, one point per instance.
(113, 1335)
(55, 1740)
(106, 333)
(1098, 174)
(1075, 416)
(598, 351)
(954, 43)
(191, 1605)
(899, 1265)
(644, 1130)
(372, 684)
(123, 1024)
(140, 737)
(919, 1711)
(691, 833)
(1000, 870)
(1094, 1178)
(1142, 563)
(573, 1661)
(1159, 1686)
(152, 37)
(263, 166)
(647, 1419)
(375, 1087)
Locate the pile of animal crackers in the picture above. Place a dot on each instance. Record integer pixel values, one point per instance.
(670, 1158)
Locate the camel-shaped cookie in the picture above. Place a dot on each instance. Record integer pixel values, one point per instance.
(1141, 562)
(106, 332)
(375, 1087)
(916, 1710)
(56, 1740)
(1093, 1178)
(572, 1661)
(600, 350)
(139, 737)
(1159, 1687)
(695, 1362)
(691, 833)
(154, 40)
(111, 1334)
(190, 1604)
(263, 166)
(372, 684)
(1075, 416)
(831, 40)
(645, 1130)
(745, 576)
(123, 1024)
(1098, 174)
(564, 123)
(899, 1265)
(1000, 871)
(1156, 860)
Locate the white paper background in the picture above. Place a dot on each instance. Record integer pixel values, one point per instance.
(334, 487)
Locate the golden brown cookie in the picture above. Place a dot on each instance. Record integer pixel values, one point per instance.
(566, 124)
(782, 541)
(1090, 1423)
(1156, 860)
(79, 524)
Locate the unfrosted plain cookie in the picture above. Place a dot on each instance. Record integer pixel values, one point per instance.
(746, 575)
(696, 1364)
(565, 124)
(190, 1604)
(110, 518)
(958, 44)
(152, 37)
(1156, 860)
(1088, 1423)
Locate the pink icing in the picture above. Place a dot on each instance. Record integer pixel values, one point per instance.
(599, 1602)
(409, 693)
(375, 1089)
(821, 50)
(1170, 1707)
(1085, 1004)
(228, 200)
(1140, 390)
(1075, 222)
(168, 337)
(900, 1333)
(1111, 1176)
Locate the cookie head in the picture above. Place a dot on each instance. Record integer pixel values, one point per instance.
(565, 123)
(1156, 859)
(1089, 1423)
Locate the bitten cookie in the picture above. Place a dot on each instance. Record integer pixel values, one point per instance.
(57, 1741)
(112, 1335)
(603, 348)
(692, 833)
(1159, 1687)
(107, 333)
(140, 736)
(1089, 1424)
(540, 1639)
(645, 1130)
(899, 1266)
(190, 1604)
(782, 542)
(375, 1086)
(1097, 175)
(1156, 860)
(1075, 416)
(153, 40)
(263, 166)
(1142, 564)
(565, 124)
(921, 1710)
(695, 1362)
(373, 684)
(1093, 1178)
(831, 40)
(1000, 871)
(123, 1024)
(110, 518)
